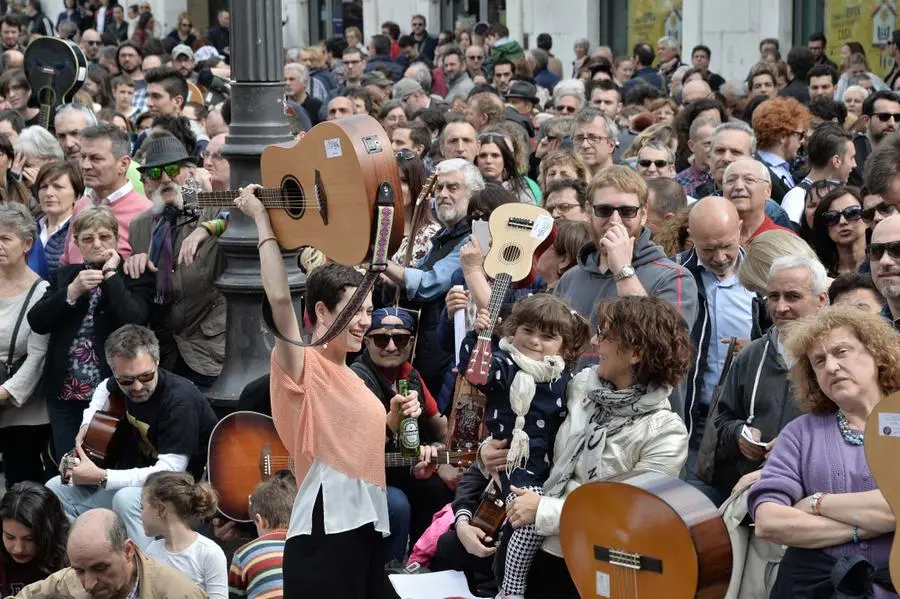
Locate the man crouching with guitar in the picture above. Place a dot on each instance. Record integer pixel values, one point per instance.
(165, 427)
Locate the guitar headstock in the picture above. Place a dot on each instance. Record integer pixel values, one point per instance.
(190, 195)
(479, 362)
(464, 459)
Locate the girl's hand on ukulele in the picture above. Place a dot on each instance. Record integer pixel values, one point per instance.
(483, 320)
(248, 203)
(474, 539)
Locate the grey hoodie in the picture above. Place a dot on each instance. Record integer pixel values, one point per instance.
(584, 286)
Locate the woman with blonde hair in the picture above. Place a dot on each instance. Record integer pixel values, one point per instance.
(762, 251)
(354, 39)
(660, 132)
(562, 164)
(816, 494)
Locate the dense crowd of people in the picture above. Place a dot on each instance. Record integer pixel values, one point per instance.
(720, 303)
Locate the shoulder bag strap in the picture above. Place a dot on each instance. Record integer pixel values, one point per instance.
(15, 333)
(384, 221)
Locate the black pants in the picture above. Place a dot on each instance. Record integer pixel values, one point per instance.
(347, 565)
(65, 420)
(426, 498)
(24, 451)
(451, 555)
(549, 579)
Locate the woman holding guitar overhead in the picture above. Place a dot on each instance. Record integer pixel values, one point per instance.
(619, 420)
(333, 427)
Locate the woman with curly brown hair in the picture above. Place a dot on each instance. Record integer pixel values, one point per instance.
(780, 125)
(619, 420)
(816, 493)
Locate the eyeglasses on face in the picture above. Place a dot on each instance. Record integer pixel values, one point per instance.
(606, 211)
(884, 209)
(591, 139)
(128, 381)
(381, 340)
(852, 214)
(154, 173)
(877, 250)
(660, 164)
(94, 42)
(566, 109)
(886, 116)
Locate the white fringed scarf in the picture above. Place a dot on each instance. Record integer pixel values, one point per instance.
(521, 392)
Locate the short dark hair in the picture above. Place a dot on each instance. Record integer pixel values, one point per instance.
(381, 44)
(606, 85)
(801, 60)
(352, 50)
(505, 61)
(641, 92)
(828, 140)
(418, 134)
(170, 79)
(868, 107)
(825, 108)
(361, 93)
(668, 196)
(455, 50)
(180, 128)
(578, 185)
(432, 118)
(273, 499)
(119, 140)
(393, 29)
(336, 46)
(12, 21)
(851, 281)
(702, 48)
(821, 70)
(644, 54)
(13, 118)
(500, 30)
(130, 340)
(406, 41)
(883, 165)
(328, 284)
(545, 41)
(124, 45)
(121, 80)
(51, 171)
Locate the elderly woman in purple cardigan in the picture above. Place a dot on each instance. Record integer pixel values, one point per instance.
(816, 493)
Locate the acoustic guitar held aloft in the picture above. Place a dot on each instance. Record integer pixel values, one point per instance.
(245, 449)
(56, 70)
(519, 235)
(645, 534)
(322, 191)
(882, 445)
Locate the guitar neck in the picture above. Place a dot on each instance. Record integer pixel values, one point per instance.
(480, 359)
(223, 199)
(44, 116)
(394, 459)
(498, 293)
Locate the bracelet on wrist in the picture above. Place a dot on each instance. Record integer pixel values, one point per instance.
(264, 240)
(855, 535)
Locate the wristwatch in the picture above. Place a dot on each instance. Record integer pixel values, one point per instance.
(104, 480)
(626, 272)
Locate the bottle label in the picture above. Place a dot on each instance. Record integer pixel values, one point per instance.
(409, 433)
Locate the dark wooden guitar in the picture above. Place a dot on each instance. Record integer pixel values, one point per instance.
(244, 450)
(105, 436)
(882, 442)
(645, 534)
(56, 70)
(321, 191)
(519, 235)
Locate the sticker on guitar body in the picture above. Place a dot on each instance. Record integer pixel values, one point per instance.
(889, 424)
(543, 224)
(333, 148)
(602, 584)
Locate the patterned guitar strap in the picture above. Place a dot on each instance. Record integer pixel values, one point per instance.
(384, 222)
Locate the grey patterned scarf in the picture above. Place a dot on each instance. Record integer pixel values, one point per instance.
(610, 410)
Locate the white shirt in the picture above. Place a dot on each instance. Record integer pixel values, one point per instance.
(348, 503)
(113, 197)
(203, 562)
(101, 19)
(794, 203)
(43, 233)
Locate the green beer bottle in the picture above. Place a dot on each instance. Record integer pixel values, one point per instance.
(408, 432)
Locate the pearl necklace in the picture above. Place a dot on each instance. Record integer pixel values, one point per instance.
(851, 437)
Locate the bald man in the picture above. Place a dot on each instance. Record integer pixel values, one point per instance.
(725, 311)
(106, 564)
(339, 107)
(695, 89)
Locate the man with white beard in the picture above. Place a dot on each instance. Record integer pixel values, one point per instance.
(426, 285)
(189, 312)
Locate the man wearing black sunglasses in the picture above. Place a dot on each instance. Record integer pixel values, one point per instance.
(179, 250)
(884, 260)
(385, 360)
(881, 115)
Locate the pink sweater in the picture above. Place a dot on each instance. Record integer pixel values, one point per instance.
(124, 209)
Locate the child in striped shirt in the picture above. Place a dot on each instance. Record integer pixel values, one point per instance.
(256, 568)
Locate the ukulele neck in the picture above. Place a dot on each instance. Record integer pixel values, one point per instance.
(498, 293)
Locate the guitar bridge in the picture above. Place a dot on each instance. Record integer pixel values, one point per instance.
(265, 465)
(627, 559)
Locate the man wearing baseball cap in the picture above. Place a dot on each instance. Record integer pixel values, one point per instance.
(183, 61)
(414, 98)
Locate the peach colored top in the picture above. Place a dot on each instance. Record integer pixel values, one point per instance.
(330, 417)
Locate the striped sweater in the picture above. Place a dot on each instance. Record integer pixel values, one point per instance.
(256, 570)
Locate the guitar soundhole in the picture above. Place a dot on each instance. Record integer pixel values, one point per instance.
(511, 253)
(293, 200)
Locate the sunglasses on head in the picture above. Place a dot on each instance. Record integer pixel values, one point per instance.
(884, 209)
(381, 340)
(660, 164)
(606, 211)
(877, 250)
(851, 213)
(886, 116)
(128, 381)
(154, 173)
